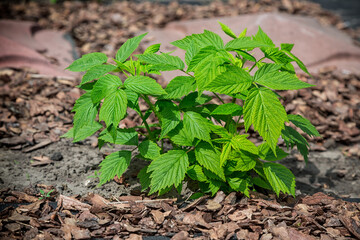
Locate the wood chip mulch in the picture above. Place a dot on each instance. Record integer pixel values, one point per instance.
(134, 217)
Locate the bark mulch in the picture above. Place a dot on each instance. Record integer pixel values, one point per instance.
(138, 217)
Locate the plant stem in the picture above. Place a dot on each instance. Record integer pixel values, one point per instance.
(152, 107)
(192, 148)
(256, 63)
(186, 73)
(216, 95)
(146, 124)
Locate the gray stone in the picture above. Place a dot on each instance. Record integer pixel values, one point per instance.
(316, 45)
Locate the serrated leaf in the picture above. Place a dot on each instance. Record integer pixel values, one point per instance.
(280, 178)
(227, 30)
(304, 124)
(244, 43)
(113, 165)
(225, 152)
(240, 142)
(114, 108)
(170, 116)
(278, 56)
(246, 55)
(263, 109)
(209, 158)
(239, 184)
(128, 48)
(262, 37)
(144, 85)
(180, 86)
(207, 38)
(245, 161)
(149, 149)
(106, 85)
(206, 65)
(152, 48)
(267, 154)
(233, 80)
(261, 183)
(191, 51)
(97, 71)
(214, 186)
(87, 61)
(144, 178)
(84, 132)
(168, 169)
(181, 136)
(123, 137)
(281, 81)
(85, 111)
(291, 136)
(192, 100)
(298, 61)
(228, 109)
(196, 125)
(162, 62)
(196, 173)
(287, 46)
(133, 100)
(221, 131)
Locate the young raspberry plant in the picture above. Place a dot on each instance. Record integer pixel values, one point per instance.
(209, 144)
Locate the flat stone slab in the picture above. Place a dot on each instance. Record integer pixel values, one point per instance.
(316, 45)
(23, 44)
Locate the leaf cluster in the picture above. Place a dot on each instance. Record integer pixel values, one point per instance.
(208, 140)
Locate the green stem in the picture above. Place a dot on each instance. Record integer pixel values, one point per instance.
(186, 73)
(216, 95)
(152, 107)
(256, 63)
(146, 125)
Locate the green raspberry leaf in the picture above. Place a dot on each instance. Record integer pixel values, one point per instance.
(291, 137)
(149, 149)
(244, 43)
(263, 109)
(280, 178)
(193, 100)
(181, 136)
(128, 48)
(144, 85)
(144, 178)
(168, 169)
(96, 72)
(240, 184)
(262, 37)
(123, 137)
(233, 80)
(114, 165)
(87, 61)
(209, 158)
(228, 109)
(304, 124)
(152, 49)
(85, 112)
(106, 85)
(114, 108)
(272, 78)
(162, 62)
(180, 86)
(267, 154)
(245, 161)
(227, 30)
(195, 172)
(170, 116)
(240, 142)
(205, 39)
(84, 132)
(197, 126)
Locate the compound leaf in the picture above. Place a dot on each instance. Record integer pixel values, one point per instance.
(196, 125)
(114, 108)
(263, 109)
(304, 124)
(96, 72)
(162, 62)
(209, 158)
(144, 85)
(123, 136)
(267, 154)
(113, 165)
(244, 43)
(280, 178)
(233, 80)
(149, 149)
(195, 172)
(207, 38)
(128, 48)
(170, 116)
(180, 86)
(87, 61)
(240, 142)
(168, 169)
(106, 85)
